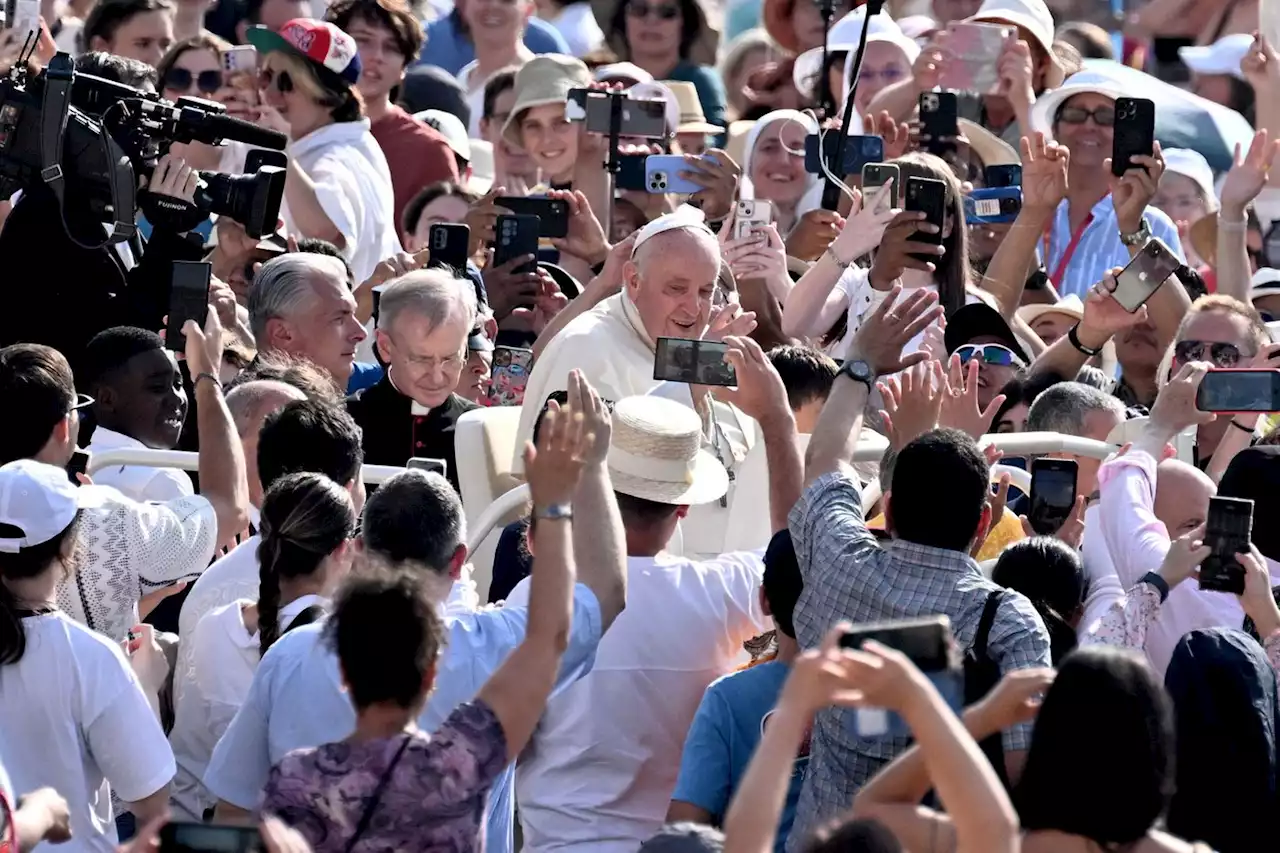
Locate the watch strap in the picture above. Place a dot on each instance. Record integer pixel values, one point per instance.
(1161, 585)
(1073, 335)
(554, 512)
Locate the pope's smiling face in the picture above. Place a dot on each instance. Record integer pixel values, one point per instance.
(671, 280)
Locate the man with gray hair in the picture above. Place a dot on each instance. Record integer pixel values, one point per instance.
(300, 304)
(425, 319)
(1073, 408)
(669, 287)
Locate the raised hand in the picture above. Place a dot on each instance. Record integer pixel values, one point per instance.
(960, 409)
(813, 234)
(508, 289)
(1185, 555)
(1132, 192)
(931, 63)
(896, 135)
(760, 392)
(1261, 65)
(864, 230)
(555, 466)
(1104, 317)
(1017, 74)
(1015, 699)
(912, 401)
(1044, 172)
(717, 173)
(597, 422)
(585, 238)
(1175, 407)
(894, 322)
(1248, 174)
(730, 320)
(1258, 600)
(761, 255)
(898, 252)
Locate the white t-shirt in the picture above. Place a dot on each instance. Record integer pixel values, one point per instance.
(577, 23)
(600, 770)
(473, 85)
(74, 718)
(862, 299)
(139, 482)
(353, 186)
(130, 549)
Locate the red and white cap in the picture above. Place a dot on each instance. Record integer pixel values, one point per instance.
(330, 49)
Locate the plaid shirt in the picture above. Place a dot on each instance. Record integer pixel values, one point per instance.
(848, 575)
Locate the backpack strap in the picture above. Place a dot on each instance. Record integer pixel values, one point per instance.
(989, 611)
(306, 617)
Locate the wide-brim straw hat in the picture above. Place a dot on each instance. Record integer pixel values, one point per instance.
(545, 79)
(986, 146)
(656, 454)
(705, 49)
(692, 118)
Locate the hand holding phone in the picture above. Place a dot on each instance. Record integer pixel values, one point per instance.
(1053, 493)
(1134, 133)
(1239, 391)
(1144, 275)
(1228, 531)
(692, 361)
(939, 121)
(188, 300)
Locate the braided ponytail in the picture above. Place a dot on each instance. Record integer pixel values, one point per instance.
(305, 518)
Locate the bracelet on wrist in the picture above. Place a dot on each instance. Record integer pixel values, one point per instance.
(195, 380)
(554, 512)
(836, 259)
(1157, 581)
(1073, 335)
(1235, 423)
(1233, 226)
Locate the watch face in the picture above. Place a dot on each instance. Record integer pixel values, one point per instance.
(859, 370)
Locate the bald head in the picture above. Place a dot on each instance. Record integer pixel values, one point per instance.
(251, 402)
(1182, 496)
(671, 278)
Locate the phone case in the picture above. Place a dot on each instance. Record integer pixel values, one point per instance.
(750, 215)
(1228, 531)
(939, 119)
(1003, 175)
(509, 375)
(450, 244)
(552, 213)
(1261, 401)
(188, 300)
(1144, 275)
(875, 175)
(1134, 133)
(928, 196)
(240, 58)
(516, 236)
(662, 175)
(974, 56)
(992, 206)
(859, 150)
(631, 174)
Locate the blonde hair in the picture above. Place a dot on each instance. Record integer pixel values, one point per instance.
(1220, 303)
(345, 104)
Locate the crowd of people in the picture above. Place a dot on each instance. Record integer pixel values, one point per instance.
(812, 606)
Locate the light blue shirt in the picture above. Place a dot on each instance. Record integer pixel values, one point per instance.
(725, 733)
(297, 701)
(1099, 248)
(447, 47)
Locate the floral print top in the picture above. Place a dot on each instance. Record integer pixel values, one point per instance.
(434, 799)
(1126, 623)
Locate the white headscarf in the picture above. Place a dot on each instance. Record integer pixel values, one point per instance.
(808, 122)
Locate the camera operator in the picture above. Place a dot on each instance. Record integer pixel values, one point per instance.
(61, 294)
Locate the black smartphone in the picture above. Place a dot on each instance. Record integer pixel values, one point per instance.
(1243, 390)
(631, 173)
(929, 196)
(692, 361)
(1134, 134)
(516, 235)
(450, 244)
(876, 175)
(188, 300)
(1227, 532)
(646, 119)
(1149, 269)
(78, 465)
(194, 837)
(1004, 175)
(940, 120)
(552, 213)
(1053, 493)
(926, 641)
(858, 152)
(422, 463)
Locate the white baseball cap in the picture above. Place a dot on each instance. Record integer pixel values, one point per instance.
(1266, 282)
(1192, 164)
(40, 501)
(451, 128)
(1221, 57)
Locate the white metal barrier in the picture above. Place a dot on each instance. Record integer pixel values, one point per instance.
(1012, 444)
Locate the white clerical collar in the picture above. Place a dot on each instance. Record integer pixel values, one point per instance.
(415, 408)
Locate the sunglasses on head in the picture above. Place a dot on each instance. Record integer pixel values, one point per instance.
(1102, 116)
(993, 354)
(663, 11)
(1218, 354)
(181, 79)
(280, 79)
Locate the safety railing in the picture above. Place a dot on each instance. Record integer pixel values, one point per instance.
(1011, 444)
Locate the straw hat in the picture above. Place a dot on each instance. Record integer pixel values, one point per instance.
(656, 454)
(545, 79)
(1204, 237)
(692, 119)
(986, 146)
(1070, 306)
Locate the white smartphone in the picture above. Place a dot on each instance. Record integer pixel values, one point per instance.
(751, 214)
(240, 58)
(26, 16)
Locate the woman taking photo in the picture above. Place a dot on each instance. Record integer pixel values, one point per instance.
(75, 717)
(390, 786)
(830, 299)
(670, 40)
(338, 186)
(773, 167)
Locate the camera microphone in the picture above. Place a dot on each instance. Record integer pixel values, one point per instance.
(239, 130)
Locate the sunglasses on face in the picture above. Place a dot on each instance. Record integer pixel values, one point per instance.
(180, 79)
(280, 79)
(993, 354)
(1218, 354)
(1102, 116)
(663, 11)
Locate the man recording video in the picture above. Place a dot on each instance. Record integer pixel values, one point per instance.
(64, 289)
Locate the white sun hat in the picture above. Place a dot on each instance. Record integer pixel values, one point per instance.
(844, 37)
(1221, 57)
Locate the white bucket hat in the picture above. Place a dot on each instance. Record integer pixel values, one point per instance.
(1033, 16)
(40, 501)
(844, 37)
(1221, 57)
(1192, 164)
(1093, 80)
(656, 454)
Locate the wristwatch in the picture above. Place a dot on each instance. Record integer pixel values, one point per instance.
(859, 371)
(555, 512)
(1139, 237)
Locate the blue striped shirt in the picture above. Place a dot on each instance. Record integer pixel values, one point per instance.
(1099, 248)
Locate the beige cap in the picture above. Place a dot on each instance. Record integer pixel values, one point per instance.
(692, 118)
(545, 79)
